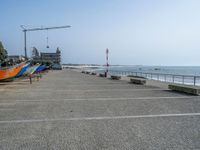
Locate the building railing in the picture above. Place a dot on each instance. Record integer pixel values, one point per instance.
(173, 78)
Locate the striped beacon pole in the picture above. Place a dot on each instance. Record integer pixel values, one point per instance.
(107, 65)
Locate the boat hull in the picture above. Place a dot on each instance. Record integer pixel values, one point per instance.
(40, 68)
(31, 70)
(23, 70)
(7, 74)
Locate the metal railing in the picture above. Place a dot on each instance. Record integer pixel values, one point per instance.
(173, 78)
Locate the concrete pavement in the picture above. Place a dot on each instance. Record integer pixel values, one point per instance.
(70, 110)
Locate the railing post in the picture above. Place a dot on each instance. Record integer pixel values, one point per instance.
(194, 80)
(173, 78)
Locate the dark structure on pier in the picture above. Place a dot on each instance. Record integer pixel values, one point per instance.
(54, 57)
(50, 58)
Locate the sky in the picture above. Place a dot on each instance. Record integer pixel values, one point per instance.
(136, 32)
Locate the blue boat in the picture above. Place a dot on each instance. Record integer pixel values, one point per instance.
(23, 70)
(40, 68)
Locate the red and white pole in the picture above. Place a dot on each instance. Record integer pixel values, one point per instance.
(107, 65)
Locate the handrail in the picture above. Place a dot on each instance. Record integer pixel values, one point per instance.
(152, 73)
(161, 76)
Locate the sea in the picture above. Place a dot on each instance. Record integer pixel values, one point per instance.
(177, 71)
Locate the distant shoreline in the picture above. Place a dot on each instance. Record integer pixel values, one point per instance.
(132, 65)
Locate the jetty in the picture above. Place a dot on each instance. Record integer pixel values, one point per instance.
(72, 110)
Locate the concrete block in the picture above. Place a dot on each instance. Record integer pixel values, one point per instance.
(133, 76)
(102, 75)
(87, 72)
(114, 77)
(138, 81)
(194, 90)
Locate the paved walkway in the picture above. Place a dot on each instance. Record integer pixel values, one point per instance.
(70, 110)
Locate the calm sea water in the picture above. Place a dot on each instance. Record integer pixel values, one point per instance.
(176, 70)
(175, 73)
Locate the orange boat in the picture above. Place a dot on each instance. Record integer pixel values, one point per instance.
(11, 72)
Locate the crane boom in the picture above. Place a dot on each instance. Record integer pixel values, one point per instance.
(49, 28)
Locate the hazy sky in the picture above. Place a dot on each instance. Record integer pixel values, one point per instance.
(137, 32)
